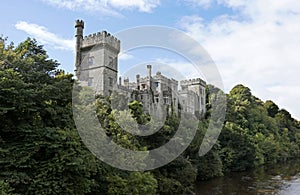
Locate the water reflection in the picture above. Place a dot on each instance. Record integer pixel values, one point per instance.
(283, 178)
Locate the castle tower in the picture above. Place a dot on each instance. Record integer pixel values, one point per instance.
(138, 82)
(79, 25)
(149, 67)
(97, 63)
(149, 70)
(196, 101)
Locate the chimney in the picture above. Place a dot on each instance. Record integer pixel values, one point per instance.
(149, 71)
(138, 82)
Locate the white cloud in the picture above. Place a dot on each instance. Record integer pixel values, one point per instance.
(141, 5)
(286, 93)
(125, 56)
(179, 70)
(106, 7)
(202, 3)
(259, 46)
(80, 5)
(45, 37)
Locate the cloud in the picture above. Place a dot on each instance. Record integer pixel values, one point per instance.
(286, 93)
(201, 3)
(125, 56)
(141, 5)
(106, 7)
(45, 37)
(178, 69)
(80, 5)
(258, 46)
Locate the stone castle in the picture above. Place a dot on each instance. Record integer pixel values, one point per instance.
(96, 65)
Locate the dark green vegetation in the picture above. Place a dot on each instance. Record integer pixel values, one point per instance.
(42, 153)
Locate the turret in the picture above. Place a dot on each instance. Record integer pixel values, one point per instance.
(79, 25)
(149, 71)
(149, 75)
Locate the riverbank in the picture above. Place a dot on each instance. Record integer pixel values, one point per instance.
(281, 178)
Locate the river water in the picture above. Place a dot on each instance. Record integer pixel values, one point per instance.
(283, 178)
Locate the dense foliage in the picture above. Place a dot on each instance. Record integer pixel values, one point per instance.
(42, 153)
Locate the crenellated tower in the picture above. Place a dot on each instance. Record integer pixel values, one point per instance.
(193, 87)
(97, 60)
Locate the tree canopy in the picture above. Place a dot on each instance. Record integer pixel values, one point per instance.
(42, 153)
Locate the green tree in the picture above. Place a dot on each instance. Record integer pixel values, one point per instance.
(135, 183)
(271, 107)
(42, 152)
(40, 147)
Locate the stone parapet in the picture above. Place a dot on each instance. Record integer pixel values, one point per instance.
(197, 81)
(99, 38)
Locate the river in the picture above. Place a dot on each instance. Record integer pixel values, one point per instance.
(282, 178)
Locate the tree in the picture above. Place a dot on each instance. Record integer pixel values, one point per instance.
(136, 183)
(41, 151)
(271, 107)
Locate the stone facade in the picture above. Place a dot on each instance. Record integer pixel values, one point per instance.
(96, 65)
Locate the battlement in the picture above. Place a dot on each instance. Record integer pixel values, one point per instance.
(124, 88)
(101, 38)
(174, 81)
(166, 79)
(196, 81)
(79, 23)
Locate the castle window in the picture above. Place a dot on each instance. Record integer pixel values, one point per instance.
(91, 60)
(111, 61)
(83, 57)
(157, 100)
(90, 81)
(156, 84)
(143, 86)
(141, 97)
(166, 100)
(111, 81)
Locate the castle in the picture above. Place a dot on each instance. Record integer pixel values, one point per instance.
(96, 65)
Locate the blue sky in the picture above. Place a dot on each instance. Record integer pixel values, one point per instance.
(255, 42)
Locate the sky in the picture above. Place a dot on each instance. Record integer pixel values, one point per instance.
(252, 42)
